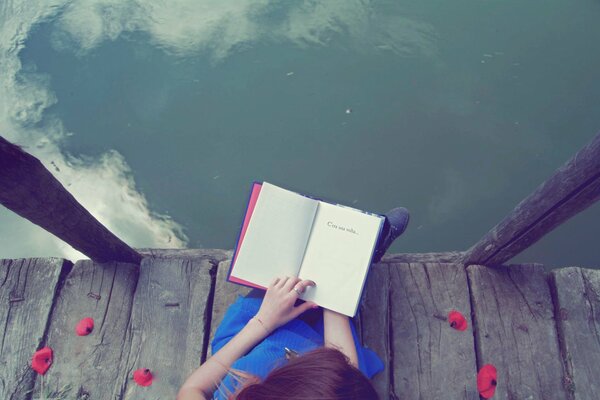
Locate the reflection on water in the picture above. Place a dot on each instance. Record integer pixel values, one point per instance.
(158, 115)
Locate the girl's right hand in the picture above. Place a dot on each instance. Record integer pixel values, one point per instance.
(277, 307)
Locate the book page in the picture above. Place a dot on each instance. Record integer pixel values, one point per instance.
(338, 256)
(276, 236)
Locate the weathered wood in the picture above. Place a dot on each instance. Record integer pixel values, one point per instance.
(225, 294)
(443, 257)
(30, 190)
(219, 255)
(214, 255)
(90, 363)
(373, 324)
(430, 359)
(573, 187)
(27, 291)
(402, 318)
(576, 294)
(167, 329)
(515, 330)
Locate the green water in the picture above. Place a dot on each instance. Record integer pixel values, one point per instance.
(455, 110)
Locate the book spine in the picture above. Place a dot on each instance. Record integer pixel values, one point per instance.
(362, 289)
(236, 248)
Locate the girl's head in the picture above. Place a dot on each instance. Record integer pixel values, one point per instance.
(324, 373)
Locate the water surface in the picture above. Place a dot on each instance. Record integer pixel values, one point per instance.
(158, 118)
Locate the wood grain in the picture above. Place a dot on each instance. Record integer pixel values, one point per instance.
(515, 330)
(403, 317)
(214, 255)
(103, 292)
(167, 330)
(571, 189)
(27, 291)
(441, 257)
(372, 323)
(431, 360)
(577, 298)
(30, 190)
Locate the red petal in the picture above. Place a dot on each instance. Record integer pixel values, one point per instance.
(42, 360)
(457, 320)
(487, 380)
(143, 377)
(85, 327)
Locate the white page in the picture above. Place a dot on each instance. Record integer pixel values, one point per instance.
(337, 256)
(276, 236)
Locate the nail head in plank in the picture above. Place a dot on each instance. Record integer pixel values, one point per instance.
(27, 291)
(104, 292)
(166, 339)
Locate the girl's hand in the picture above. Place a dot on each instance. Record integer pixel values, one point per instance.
(277, 307)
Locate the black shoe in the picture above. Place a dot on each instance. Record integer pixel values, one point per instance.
(395, 224)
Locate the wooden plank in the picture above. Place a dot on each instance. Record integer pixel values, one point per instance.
(219, 255)
(577, 298)
(442, 257)
(515, 330)
(30, 190)
(225, 294)
(430, 360)
(214, 255)
(167, 329)
(27, 291)
(573, 187)
(373, 325)
(89, 364)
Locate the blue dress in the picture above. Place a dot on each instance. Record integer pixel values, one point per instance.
(269, 354)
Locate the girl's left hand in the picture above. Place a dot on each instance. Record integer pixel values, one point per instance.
(277, 307)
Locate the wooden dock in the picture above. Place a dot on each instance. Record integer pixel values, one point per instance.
(157, 309)
(540, 329)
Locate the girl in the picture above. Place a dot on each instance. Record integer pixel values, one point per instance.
(280, 347)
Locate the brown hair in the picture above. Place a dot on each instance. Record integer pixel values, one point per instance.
(324, 373)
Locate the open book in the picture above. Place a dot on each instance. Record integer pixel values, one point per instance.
(285, 233)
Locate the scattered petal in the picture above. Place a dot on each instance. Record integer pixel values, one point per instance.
(457, 320)
(143, 377)
(487, 379)
(84, 327)
(42, 360)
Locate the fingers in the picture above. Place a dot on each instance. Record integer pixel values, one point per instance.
(290, 284)
(302, 285)
(274, 282)
(305, 283)
(282, 282)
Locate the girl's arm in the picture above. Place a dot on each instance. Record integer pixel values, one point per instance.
(337, 334)
(203, 382)
(277, 309)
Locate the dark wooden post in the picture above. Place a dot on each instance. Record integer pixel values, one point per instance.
(30, 190)
(573, 187)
